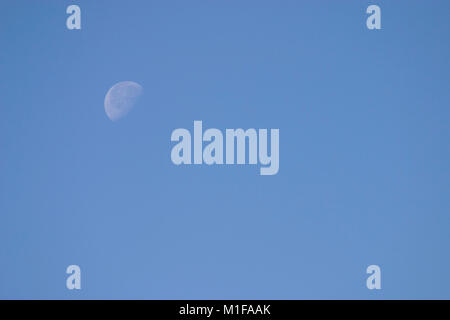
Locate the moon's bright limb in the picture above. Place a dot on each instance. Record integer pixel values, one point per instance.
(121, 98)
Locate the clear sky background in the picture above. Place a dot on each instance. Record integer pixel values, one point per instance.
(364, 150)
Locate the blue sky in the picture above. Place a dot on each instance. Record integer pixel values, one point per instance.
(364, 154)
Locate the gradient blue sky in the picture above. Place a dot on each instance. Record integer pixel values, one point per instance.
(364, 150)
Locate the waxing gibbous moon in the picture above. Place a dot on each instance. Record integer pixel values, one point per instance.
(121, 98)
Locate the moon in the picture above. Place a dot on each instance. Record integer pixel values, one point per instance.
(121, 98)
